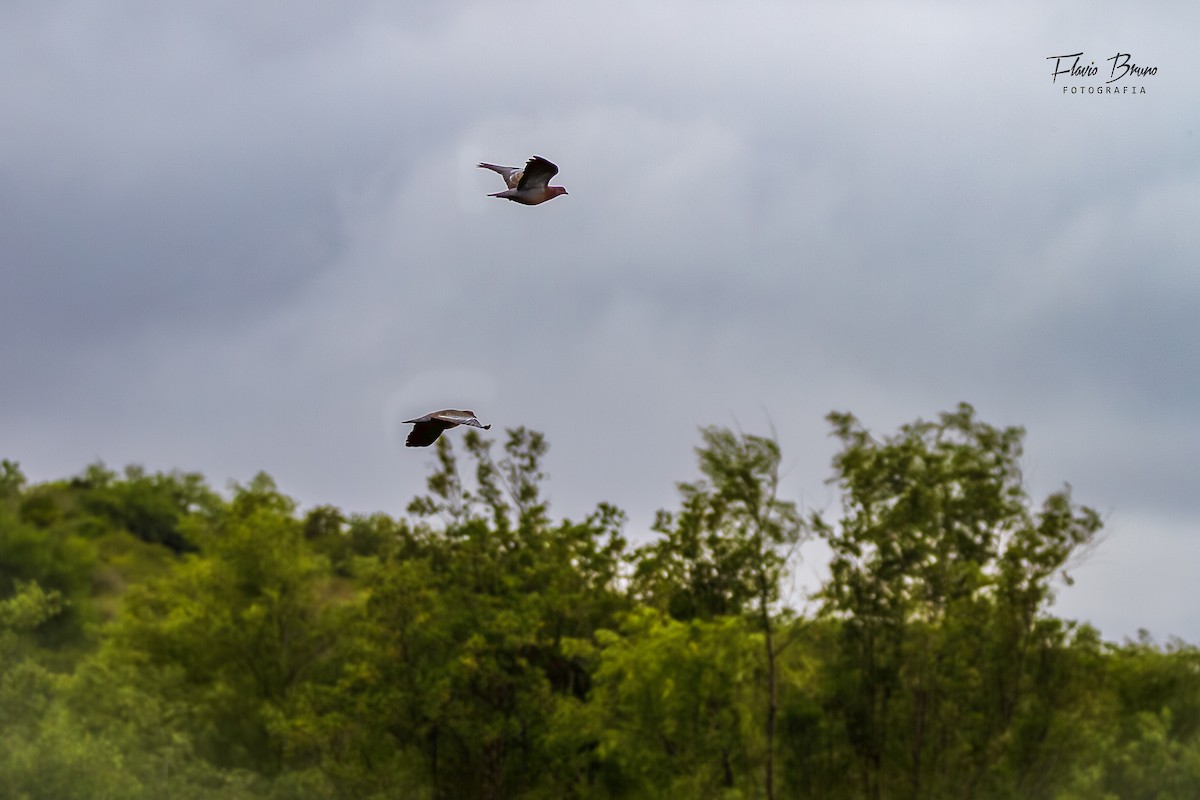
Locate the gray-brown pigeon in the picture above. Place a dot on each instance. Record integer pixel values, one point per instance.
(528, 185)
(428, 428)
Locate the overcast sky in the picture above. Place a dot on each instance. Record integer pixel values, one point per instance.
(251, 236)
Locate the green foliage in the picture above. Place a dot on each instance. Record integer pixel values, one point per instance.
(1153, 738)
(724, 552)
(672, 711)
(150, 507)
(160, 640)
(507, 492)
(233, 633)
(465, 651)
(947, 682)
(29, 607)
(90, 536)
(12, 480)
(54, 559)
(25, 685)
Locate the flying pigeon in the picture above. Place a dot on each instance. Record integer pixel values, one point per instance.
(429, 427)
(528, 186)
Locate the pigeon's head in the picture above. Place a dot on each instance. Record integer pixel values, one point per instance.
(557, 190)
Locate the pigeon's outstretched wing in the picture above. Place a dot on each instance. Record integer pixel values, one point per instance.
(511, 175)
(428, 428)
(460, 418)
(426, 432)
(537, 173)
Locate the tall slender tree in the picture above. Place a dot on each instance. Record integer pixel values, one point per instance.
(727, 549)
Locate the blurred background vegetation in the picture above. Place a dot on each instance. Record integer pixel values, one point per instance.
(161, 640)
